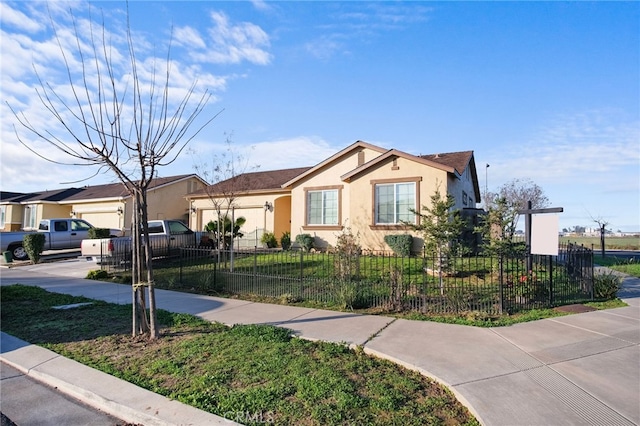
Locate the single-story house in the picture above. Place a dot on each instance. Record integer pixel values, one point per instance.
(364, 188)
(104, 206)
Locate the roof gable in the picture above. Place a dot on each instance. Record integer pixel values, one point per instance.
(455, 162)
(356, 145)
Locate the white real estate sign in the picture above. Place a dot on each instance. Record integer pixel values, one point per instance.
(544, 234)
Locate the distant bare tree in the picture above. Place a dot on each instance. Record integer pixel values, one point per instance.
(602, 227)
(120, 120)
(514, 196)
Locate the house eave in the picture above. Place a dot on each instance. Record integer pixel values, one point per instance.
(319, 166)
(389, 155)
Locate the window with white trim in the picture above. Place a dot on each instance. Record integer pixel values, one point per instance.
(3, 216)
(322, 207)
(30, 216)
(394, 202)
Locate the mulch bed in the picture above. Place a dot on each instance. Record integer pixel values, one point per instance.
(575, 309)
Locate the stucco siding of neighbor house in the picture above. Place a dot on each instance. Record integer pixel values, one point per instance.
(12, 217)
(102, 214)
(251, 207)
(54, 211)
(168, 202)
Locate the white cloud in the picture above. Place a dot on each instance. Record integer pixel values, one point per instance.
(231, 43)
(300, 151)
(15, 18)
(588, 163)
(261, 5)
(19, 87)
(188, 36)
(574, 148)
(325, 47)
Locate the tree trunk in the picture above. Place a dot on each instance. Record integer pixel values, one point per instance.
(153, 317)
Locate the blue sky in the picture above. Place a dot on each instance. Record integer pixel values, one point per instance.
(545, 91)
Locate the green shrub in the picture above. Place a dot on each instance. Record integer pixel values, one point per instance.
(399, 243)
(347, 259)
(211, 226)
(305, 241)
(97, 274)
(95, 233)
(285, 241)
(606, 285)
(269, 238)
(34, 245)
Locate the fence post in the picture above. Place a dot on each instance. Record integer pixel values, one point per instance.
(255, 268)
(180, 264)
(501, 283)
(551, 300)
(301, 267)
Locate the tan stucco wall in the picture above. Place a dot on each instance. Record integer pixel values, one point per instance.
(55, 211)
(13, 217)
(327, 177)
(357, 199)
(362, 192)
(101, 214)
(282, 216)
(169, 202)
(251, 207)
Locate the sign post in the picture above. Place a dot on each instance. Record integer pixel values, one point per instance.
(542, 225)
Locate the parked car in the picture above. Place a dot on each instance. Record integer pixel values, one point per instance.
(59, 234)
(166, 237)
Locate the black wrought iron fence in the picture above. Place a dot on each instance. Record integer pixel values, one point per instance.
(382, 281)
(388, 282)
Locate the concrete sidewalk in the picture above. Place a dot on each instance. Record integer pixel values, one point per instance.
(577, 369)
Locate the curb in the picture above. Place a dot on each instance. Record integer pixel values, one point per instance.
(99, 390)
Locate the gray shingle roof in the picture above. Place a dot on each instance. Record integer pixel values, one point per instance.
(457, 160)
(254, 181)
(110, 190)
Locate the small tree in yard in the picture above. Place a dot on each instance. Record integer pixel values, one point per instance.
(116, 113)
(498, 228)
(227, 173)
(442, 228)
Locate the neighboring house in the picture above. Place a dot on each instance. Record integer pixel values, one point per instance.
(24, 211)
(258, 197)
(104, 206)
(365, 188)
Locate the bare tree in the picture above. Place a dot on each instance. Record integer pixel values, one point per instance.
(602, 227)
(514, 196)
(117, 115)
(228, 175)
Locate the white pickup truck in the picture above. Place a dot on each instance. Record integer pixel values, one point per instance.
(166, 236)
(59, 234)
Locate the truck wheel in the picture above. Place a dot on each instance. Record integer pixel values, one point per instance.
(19, 253)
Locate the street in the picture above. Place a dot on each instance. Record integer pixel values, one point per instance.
(27, 402)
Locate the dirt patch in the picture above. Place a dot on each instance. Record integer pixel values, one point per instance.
(575, 309)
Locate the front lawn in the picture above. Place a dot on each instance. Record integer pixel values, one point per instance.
(253, 374)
